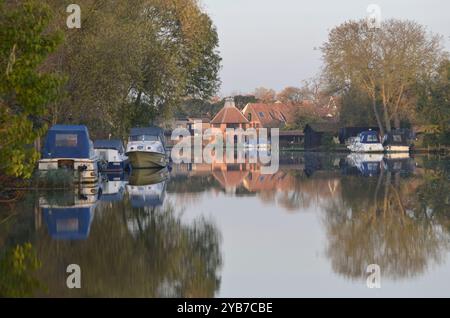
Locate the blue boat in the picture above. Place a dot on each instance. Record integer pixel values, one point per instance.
(112, 153)
(69, 147)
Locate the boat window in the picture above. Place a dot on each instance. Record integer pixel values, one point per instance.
(144, 138)
(397, 138)
(372, 138)
(66, 140)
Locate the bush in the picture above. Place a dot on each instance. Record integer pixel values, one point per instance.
(60, 178)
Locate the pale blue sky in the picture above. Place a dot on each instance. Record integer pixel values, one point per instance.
(271, 43)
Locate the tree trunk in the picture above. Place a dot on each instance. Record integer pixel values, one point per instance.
(138, 98)
(387, 120)
(396, 121)
(377, 116)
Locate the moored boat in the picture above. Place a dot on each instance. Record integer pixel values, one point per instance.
(146, 148)
(112, 153)
(365, 142)
(397, 141)
(69, 147)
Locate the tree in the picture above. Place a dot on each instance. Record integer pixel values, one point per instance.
(356, 109)
(265, 95)
(434, 102)
(133, 62)
(385, 63)
(291, 95)
(25, 91)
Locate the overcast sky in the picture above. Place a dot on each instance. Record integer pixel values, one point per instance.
(272, 43)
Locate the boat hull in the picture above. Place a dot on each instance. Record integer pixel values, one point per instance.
(147, 160)
(366, 148)
(397, 149)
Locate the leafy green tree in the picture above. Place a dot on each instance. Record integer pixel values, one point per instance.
(25, 91)
(133, 62)
(434, 102)
(18, 267)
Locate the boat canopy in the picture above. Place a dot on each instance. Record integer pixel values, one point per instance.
(69, 223)
(150, 131)
(369, 137)
(67, 142)
(399, 137)
(156, 134)
(110, 144)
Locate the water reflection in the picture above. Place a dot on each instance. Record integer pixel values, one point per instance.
(132, 238)
(69, 216)
(147, 187)
(383, 221)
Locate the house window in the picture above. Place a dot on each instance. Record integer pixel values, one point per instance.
(249, 116)
(261, 114)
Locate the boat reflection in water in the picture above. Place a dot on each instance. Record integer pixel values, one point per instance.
(69, 216)
(113, 187)
(370, 165)
(147, 187)
(146, 191)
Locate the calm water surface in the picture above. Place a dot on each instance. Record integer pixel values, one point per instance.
(229, 231)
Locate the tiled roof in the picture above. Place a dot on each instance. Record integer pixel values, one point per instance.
(229, 114)
(271, 115)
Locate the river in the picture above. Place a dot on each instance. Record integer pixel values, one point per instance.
(310, 230)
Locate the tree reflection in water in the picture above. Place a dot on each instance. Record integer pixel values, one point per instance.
(388, 221)
(165, 257)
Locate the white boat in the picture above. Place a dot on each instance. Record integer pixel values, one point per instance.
(69, 147)
(112, 154)
(146, 148)
(368, 164)
(365, 142)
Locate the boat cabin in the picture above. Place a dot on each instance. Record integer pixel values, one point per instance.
(369, 137)
(151, 134)
(398, 140)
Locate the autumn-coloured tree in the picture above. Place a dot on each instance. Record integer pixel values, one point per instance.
(265, 95)
(291, 95)
(385, 63)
